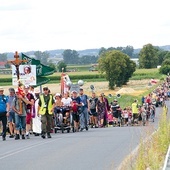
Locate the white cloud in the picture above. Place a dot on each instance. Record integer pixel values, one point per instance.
(55, 24)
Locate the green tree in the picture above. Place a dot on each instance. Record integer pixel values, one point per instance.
(38, 55)
(167, 55)
(45, 57)
(42, 56)
(102, 50)
(117, 67)
(161, 56)
(52, 66)
(88, 59)
(3, 57)
(148, 57)
(128, 50)
(62, 66)
(165, 67)
(70, 56)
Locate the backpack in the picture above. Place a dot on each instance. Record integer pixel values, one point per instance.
(74, 107)
(93, 103)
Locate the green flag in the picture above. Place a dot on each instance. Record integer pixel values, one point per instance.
(41, 70)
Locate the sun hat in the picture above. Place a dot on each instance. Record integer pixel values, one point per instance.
(1, 89)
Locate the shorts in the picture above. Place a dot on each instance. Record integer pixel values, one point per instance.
(115, 114)
(140, 118)
(28, 118)
(76, 117)
(135, 116)
(93, 112)
(11, 117)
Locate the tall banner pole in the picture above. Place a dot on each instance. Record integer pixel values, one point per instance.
(62, 82)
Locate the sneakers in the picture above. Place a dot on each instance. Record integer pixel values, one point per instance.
(28, 136)
(86, 128)
(17, 137)
(3, 138)
(48, 135)
(23, 137)
(11, 136)
(43, 135)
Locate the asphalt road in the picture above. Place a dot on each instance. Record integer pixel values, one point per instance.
(96, 149)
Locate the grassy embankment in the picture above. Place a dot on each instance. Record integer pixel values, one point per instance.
(151, 152)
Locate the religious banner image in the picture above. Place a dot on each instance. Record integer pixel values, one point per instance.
(27, 75)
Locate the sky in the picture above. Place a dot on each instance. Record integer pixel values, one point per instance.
(82, 24)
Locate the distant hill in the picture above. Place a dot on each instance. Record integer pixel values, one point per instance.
(58, 52)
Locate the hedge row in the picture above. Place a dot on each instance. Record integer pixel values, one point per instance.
(93, 77)
(57, 78)
(78, 77)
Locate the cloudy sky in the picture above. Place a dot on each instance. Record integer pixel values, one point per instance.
(82, 24)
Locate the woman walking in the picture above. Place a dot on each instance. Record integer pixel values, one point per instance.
(101, 110)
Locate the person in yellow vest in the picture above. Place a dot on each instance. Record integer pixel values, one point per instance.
(45, 109)
(135, 112)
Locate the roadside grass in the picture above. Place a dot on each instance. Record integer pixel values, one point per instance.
(151, 152)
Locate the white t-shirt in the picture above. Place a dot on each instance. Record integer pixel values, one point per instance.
(66, 102)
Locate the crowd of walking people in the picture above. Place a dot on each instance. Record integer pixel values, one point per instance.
(41, 113)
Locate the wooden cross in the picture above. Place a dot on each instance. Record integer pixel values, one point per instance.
(17, 62)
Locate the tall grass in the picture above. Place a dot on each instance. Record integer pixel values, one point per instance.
(152, 152)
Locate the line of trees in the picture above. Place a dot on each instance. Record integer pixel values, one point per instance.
(73, 57)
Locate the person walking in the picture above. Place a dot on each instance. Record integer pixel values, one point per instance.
(101, 110)
(76, 109)
(29, 110)
(135, 112)
(4, 111)
(11, 115)
(19, 106)
(36, 121)
(46, 109)
(92, 101)
(84, 116)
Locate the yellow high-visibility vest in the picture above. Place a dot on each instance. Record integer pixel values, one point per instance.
(42, 110)
(135, 107)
